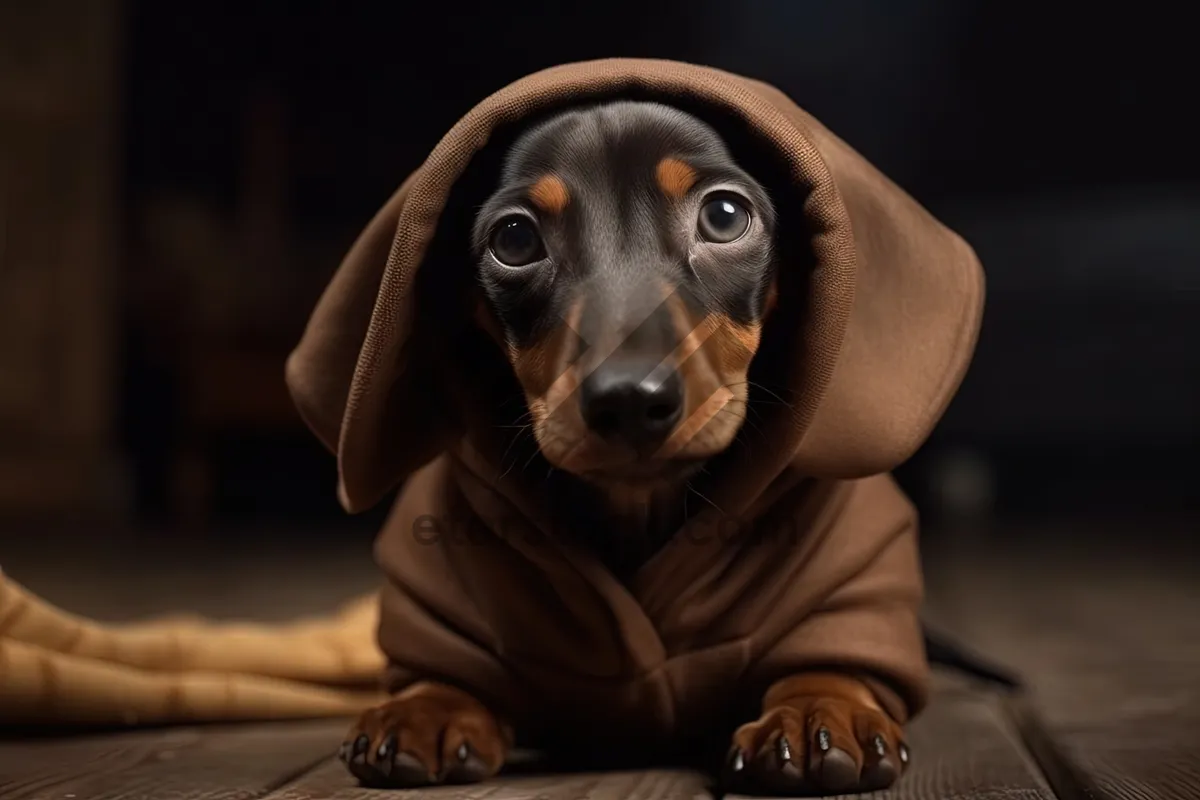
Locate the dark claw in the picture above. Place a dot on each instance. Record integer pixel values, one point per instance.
(408, 771)
(879, 771)
(469, 769)
(789, 776)
(824, 742)
(837, 772)
(385, 753)
(879, 775)
(784, 750)
(355, 757)
(361, 744)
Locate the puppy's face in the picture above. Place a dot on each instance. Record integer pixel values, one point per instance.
(626, 266)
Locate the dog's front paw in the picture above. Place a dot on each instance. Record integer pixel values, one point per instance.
(428, 734)
(818, 742)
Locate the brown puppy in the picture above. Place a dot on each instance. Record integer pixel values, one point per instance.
(627, 268)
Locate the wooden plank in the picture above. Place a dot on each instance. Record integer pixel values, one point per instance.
(964, 746)
(331, 781)
(1151, 756)
(219, 763)
(1106, 629)
(964, 749)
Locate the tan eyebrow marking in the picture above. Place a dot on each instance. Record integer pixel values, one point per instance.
(675, 177)
(550, 194)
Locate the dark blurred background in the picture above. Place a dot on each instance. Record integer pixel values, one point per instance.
(179, 179)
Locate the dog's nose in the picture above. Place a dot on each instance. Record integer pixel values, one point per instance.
(632, 401)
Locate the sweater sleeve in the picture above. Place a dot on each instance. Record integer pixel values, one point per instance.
(867, 624)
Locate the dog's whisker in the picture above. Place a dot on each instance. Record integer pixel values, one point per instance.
(510, 466)
(757, 418)
(700, 280)
(703, 497)
(732, 410)
(733, 413)
(743, 418)
(512, 398)
(756, 428)
(524, 416)
(742, 413)
(532, 456)
(734, 406)
(524, 432)
(761, 388)
(752, 409)
(519, 432)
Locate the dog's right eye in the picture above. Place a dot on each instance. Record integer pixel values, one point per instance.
(723, 220)
(515, 242)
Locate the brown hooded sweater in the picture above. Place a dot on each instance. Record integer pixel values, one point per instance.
(805, 554)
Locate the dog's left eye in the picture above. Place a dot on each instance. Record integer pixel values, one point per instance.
(723, 220)
(516, 243)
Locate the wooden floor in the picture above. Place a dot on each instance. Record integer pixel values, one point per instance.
(1104, 624)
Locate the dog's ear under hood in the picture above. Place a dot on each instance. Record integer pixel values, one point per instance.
(892, 299)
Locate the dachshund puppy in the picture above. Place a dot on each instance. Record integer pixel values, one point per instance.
(627, 264)
(627, 267)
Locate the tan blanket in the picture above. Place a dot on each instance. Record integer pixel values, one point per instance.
(59, 668)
